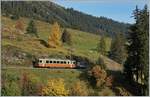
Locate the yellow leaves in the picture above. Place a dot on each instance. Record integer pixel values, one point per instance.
(79, 89)
(55, 36)
(55, 87)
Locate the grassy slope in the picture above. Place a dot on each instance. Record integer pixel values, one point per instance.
(69, 75)
(83, 43)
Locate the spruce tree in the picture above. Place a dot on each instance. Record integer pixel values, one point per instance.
(144, 49)
(31, 29)
(138, 49)
(66, 37)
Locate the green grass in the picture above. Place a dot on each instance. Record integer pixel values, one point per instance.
(70, 76)
(84, 43)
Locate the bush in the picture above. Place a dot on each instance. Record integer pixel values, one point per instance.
(30, 85)
(10, 89)
(79, 89)
(9, 84)
(109, 81)
(106, 92)
(55, 87)
(122, 91)
(97, 76)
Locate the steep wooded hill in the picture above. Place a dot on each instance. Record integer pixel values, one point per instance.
(50, 12)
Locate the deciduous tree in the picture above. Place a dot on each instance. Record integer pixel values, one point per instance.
(54, 39)
(19, 25)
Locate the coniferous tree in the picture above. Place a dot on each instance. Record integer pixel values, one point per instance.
(102, 46)
(143, 50)
(31, 29)
(130, 65)
(118, 51)
(66, 37)
(138, 60)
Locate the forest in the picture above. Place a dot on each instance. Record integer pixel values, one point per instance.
(67, 17)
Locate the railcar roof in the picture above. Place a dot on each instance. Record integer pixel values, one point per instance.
(55, 59)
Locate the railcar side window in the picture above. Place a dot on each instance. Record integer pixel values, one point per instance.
(64, 62)
(74, 62)
(61, 62)
(50, 62)
(54, 61)
(40, 61)
(47, 61)
(57, 61)
(68, 62)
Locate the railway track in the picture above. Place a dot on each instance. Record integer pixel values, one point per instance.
(35, 68)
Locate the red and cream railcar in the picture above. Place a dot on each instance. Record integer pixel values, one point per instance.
(55, 63)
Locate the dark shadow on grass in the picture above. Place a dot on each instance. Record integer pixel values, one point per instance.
(43, 42)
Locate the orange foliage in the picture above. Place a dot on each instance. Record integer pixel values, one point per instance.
(109, 81)
(99, 74)
(19, 25)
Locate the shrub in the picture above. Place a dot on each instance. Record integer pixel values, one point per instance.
(9, 84)
(109, 81)
(10, 88)
(97, 76)
(30, 85)
(106, 92)
(122, 91)
(55, 87)
(79, 89)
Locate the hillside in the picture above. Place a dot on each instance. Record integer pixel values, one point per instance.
(50, 12)
(24, 48)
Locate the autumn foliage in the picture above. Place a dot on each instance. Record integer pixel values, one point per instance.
(54, 39)
(79, 89)
(30, 85)
(98, 74)
(19, 25)
(109, 81)
(55, 87)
